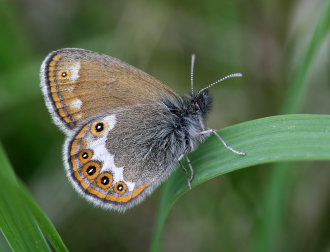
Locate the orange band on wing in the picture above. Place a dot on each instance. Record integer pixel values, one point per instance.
(105, 196)
(86, 186)
(74, 147)
(54, 90)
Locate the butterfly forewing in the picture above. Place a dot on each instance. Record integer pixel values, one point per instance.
(80, 84)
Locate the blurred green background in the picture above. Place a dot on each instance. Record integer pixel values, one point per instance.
(263, 39)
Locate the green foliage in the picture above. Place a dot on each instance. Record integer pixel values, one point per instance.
(266, 140)
(24, 224)
(276, 199)
(282, 49)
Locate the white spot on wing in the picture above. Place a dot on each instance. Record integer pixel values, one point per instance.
(69, 89)
(76, 104)
(107, 159)
(75, 71)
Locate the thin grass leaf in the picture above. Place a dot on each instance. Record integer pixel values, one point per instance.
(44, 223)
(266, 140)
(21, 220)
(269, 234)
(299, 86)
(16, 221)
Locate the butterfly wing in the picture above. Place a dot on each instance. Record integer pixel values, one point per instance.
(79, 84)
(119, 158)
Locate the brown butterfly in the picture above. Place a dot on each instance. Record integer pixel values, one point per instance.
(125, 130)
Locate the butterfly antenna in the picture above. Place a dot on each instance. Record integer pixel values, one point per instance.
(193, 57)
(221, 80)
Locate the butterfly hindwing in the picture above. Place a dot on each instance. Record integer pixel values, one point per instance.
(79, 84)
(103, 162)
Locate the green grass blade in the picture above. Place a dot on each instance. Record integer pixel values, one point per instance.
(269, 233)
(298, 89)
(21, 220)
(266, 140)
(44, 223)
(16, 221)
(4, 247)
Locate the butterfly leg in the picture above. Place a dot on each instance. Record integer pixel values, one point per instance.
(191, 176)
(241, 153)
(192, 173)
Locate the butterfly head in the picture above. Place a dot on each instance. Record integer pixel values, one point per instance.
(201, 102)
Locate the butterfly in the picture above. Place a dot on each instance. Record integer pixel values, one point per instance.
(126, 130)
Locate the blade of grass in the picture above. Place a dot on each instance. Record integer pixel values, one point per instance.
(296, 94)
(44, 223)
(16, 221)
(4, 247)
(298, 89)
(266, 140)
(21, 220)
(269, 234)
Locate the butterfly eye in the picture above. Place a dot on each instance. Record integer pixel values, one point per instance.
(65, 74)
(120, 187)
(85, 155)
(105, 180)
(92, 169)
(98, 128)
